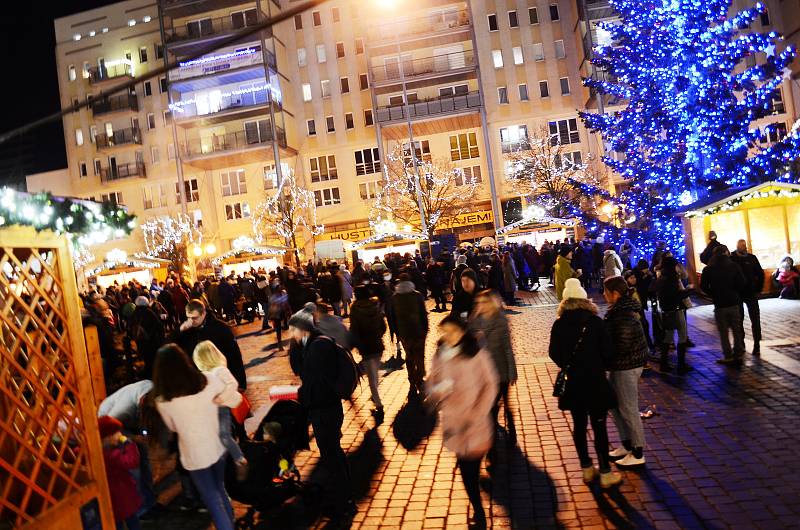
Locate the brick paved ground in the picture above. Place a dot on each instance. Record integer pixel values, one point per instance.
(721, 453)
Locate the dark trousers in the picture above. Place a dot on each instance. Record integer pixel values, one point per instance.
(729, 320)
(439, 298)
(754, 312)
(470, 475)
(581, 418)
(645, 328)
(502, 394)
(415, 360)
(327, 425)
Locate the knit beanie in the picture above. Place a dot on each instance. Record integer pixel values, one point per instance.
(469, 273)
(142, 301)
(362, 292)
(108, 425)
(573, 289)
(564, 251)
(303, 320)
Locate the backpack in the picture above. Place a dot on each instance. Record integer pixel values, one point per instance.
(347, 373)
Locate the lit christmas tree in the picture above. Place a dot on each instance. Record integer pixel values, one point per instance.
(687, 129)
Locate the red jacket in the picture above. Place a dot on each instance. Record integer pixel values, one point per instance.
(120, 460)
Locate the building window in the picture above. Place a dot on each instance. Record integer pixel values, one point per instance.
(512, 19)
(78, 136)
(151, 121)
(162, 84)
(84, 169)
(344, 83)
(765, 18)
(468, 175)
(564, 132)
(560, 52)
(339, 50)
(316, 18)
(298, 22)
(171, 151)
(497, 58)
(363, 81)
(86, 69)
(191, 188)
(370, 190)
(301, 57)
(72, 73)
(143, 54)
(564, 85)
(154, 154)
(544, 89)
(311, 126)
(323, 168)
(93, 134)
(554, 16)
(367, 161)
(147, 196)
(513, 138)
(148, 89)
(517, 50)
(368, 120)
(98, 167)
(778, 106)
(306, 92)
(337, 16)
(502, 95)
(329, 124)
(325, 85)
(464, 146)
(271, 177)
(422, 151)
(492, 19)
(348, 121)
(257, 131)
(321, 56)
(327, 197)
(115, 197)
(233, 182)
(523, 92)
(237, 210)
(533, 16)
(568, 160)
(159, 50)
(776, 132)
(538, 51)
(359, 46)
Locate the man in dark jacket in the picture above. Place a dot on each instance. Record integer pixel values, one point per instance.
(724, 281)
(201, 325)
(367, 327)
(753, 284)
(434, 276)
(412, 328)
(313, 359)
(708, 252)
(146, 329)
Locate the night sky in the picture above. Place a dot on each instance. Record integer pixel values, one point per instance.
(30, 87)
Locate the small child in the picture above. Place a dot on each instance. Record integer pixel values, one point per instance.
(209, 359)
(121, 457)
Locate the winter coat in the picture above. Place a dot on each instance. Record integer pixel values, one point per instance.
(534, 262)
(587, 388)
(408, 307)
(495, 281)
(465, 388)
(724, 281)
(367, 327)
(627, 335)
(708, 252)
(120, 460)
(497, 340)
(509, 277)
(359, 275)
(297, 295)
(434, 276)
(315, 363)
(462, 303)
(626, 253)
(612, 265)
(670, 293)
(221, 335)
(752, 271)
(563, 272)
(333, 327)
(278, 305)
(597, 256)
(455, 277)
(346, 284)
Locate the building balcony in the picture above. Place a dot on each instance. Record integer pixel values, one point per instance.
(209, 28)
(232, 149)
(428, 26)
(111, 71)
(124, 102)
(215, 110)
(423, 68)
(184, 8)
(122, 171)
(123, 137)
(430, 108)
(225, 63)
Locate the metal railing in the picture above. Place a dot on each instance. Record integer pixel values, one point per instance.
(132, 135)
(207, 27)
(435, 64)
(229, 142)
(240, 101)
(105, 73)
(430, 107)
(122, 171)
(412, 27)
(115, 103)
(223, 64)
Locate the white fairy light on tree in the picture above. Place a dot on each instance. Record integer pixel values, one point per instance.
(168, 237)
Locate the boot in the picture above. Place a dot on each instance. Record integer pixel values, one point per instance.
(664, 350)
(682, 366)
(756, 348)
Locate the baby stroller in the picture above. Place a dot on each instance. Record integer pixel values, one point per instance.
(272, 478)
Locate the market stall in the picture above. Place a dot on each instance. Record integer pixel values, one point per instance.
(536, 226)
(242, 260)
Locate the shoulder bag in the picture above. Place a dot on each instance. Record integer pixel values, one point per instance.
(560, 386)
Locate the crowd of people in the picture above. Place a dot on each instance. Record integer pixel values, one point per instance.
(183, 369)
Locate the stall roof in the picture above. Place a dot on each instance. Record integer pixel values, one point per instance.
(721, 197)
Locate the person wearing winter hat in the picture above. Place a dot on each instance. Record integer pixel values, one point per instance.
(121, 457)
(367, 327)
(463, 300)
(564, 271)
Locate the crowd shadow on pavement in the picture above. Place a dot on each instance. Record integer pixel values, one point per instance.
(413, 424)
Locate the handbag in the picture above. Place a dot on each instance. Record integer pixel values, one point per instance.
(560, 385)
(241, 411)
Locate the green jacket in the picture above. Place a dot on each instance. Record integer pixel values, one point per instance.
(563, 272)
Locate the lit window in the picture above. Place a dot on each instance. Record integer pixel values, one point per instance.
(321, 57)
(468, 175)
(92, 33)
(514, 137)
(369, 190)
(146, 19)
(132, 22)
(72, 73)
(517, 54)
(104, 30)
(325, 86)
(233, 182)
(497, 58)
(78, 136)
(306, 92)
(464, 146)
(323, 168)
(77, 36)
(538, 51)
(301, 57)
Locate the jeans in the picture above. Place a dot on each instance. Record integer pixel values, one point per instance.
(327, 425)
(580, 418)
(225, 435)
(372, 364)
(754, 312)
(439, 298)
(144, 479)
(415, 361)
(470, 475)
(210, 483)
(277, 325)
(729, 319)
(680, 319)
(626, 415)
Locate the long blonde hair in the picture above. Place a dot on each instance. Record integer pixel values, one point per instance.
(207, 356)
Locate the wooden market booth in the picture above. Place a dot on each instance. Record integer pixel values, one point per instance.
(51, 460)
(767, 216)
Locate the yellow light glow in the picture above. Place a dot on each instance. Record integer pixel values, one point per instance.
(387, 4)
(211, 248)
(607, 208)
(197, 251)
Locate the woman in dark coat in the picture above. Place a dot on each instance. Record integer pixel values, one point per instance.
(495, 274)
(367, 327)
(578, 340)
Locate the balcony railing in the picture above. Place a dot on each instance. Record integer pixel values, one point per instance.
(115, 103)
(108, 72)
(222, 62)
(414, 27)
(131, 135)
(238, 101)
(209, 27)
(229, 142)
(425, 66)
(122, 171)
(430, 107)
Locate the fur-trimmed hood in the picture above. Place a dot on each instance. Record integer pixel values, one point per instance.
(577, 304)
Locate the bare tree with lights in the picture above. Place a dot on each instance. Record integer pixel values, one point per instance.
(285, 213)
(445, 192)
(169, 237)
